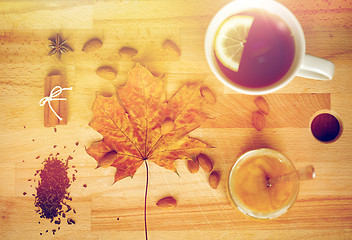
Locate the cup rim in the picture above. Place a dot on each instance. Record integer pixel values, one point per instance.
(247, 211)
(225, 12)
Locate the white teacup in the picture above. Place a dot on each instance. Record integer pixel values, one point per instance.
(303, 65)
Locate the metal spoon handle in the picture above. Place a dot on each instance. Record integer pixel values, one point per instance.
(302, 174)
(306, 173)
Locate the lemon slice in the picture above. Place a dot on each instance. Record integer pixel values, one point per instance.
(230, 39)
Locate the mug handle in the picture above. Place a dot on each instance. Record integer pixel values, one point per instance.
(316, 68)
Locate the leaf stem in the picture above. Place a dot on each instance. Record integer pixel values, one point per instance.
(145, 202)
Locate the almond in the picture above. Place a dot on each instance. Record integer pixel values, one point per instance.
(258, 120)
(172, 47)
(108, 159)
(92, 45)
(208, 95)
(158, 74)
(262, 104)
(106, 72)
(167, 126)
(128, 51)
(193, 166)
(168, 202)
(205, 162)
(214, 179)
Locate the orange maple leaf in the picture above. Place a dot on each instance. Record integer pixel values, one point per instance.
(133, 124)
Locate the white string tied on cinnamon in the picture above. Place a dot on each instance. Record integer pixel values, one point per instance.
(55, 92)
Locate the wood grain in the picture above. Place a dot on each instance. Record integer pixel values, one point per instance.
(323, 209)
(286, 110)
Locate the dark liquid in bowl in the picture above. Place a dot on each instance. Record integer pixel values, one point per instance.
(325, 127)
(268, 52)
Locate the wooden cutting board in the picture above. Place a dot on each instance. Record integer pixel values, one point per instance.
(104, 210)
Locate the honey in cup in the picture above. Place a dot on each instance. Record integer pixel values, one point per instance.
(248, 184)
(268, 51)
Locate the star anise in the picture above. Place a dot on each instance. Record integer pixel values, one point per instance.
(58, 46)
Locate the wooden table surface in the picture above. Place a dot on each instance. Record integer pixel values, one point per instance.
(323, 209)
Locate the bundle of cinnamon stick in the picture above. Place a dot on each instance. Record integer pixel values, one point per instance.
(59, 106)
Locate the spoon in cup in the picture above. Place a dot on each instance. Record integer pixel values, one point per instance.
(302, 174)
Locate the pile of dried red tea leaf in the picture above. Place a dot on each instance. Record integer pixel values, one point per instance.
(52, 196)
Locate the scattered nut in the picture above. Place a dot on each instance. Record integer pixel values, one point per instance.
(214, 179)
(92, 45)
(208, 95)
(262, 104)
(193, 166)
(258, 120)
(106, 72)
(107, 160)
(205, 162)
(158, 74)
(170, 46)
(167, 126)
(168, 202)
(128, 51)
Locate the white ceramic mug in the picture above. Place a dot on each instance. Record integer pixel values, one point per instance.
(303, 65)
